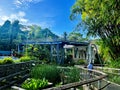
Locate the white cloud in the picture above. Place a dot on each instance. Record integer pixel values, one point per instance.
(16, 16)
(21, 14)
(24, 20)
(44, 24)
(3, 18)
(25, 3)
(47, 24)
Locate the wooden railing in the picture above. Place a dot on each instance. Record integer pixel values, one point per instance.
(86, 79)
(14, 73)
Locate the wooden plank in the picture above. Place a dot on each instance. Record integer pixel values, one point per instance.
(76, 84)
(17, 88)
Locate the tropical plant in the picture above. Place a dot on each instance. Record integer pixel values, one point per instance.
(8, 60)
(80, 62)
(1, 61)
(72, 75)
(25, 58)
(76, 36)
(101, 18)
(34, 84)
(39, 52)
(114, 64)
(49, 72)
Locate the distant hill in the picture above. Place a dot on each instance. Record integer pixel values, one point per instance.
(48, 35)
(35, 32)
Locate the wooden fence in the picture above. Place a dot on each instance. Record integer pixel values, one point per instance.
(14, 73)
(86, 79)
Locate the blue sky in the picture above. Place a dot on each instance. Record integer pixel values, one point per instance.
(53, 14)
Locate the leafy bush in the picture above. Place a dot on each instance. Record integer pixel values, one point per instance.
(114, 63)
(34, 58)
(114, 78)
(1, 61)
(49, 72)
(25, 58)
(80, 62)
(8, 60)
(34, 84)
(17, 61)
(72, 75)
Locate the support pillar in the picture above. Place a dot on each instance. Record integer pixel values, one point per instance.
(57, 51)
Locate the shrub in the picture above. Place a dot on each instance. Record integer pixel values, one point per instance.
(17, 61)
(49, 72)
(114, 63)
(8, 60)
(34, 58)
(80, 62)
(1, 61)
(72, 75)
(25, 58)
(34, 84)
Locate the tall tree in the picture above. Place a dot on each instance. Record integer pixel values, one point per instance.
(101, 18)
(76, 36)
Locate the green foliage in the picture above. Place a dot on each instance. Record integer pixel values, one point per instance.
(103, 50)
(13, 33)
(76, 36)
(17, 61)
(49, 72)
(8, 60)
(42, 34)
(114, 63)
(1, 61)
(80, 62)
(25, 58)
(115, 79)
(100, 18)
(39, 52)
(72, 75)
(34, 84)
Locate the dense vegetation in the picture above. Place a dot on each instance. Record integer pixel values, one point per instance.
(13, 33)
(101, 18)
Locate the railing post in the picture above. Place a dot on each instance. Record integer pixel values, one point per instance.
(99, 84)
(107, 86)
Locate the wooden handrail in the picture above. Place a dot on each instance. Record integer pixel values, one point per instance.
(10, 71)
(76, 84)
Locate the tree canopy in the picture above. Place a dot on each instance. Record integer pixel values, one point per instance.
(14, 33)
(101, 18)
(76, 36)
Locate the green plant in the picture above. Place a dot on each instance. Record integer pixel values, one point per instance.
(81, 61)
(34, 84)
(114, 63)
(34, 58)
(1, 61)
(17, 61)
(114, 78)
(72, 75)
(8, 60)
(49, 72)
(25, 58)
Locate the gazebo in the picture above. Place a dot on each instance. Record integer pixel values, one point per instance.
(58, 49)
